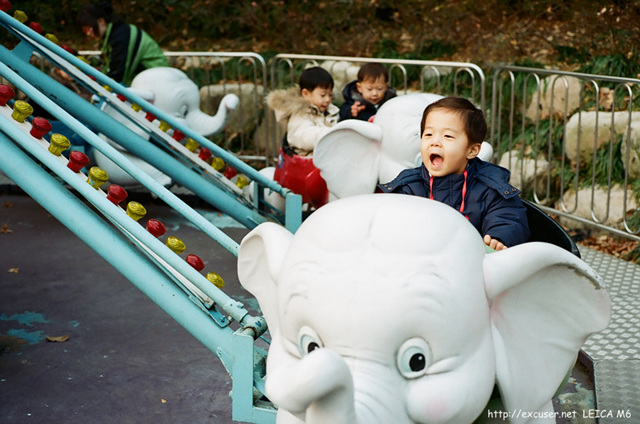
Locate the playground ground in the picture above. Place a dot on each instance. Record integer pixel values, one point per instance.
(125, 359)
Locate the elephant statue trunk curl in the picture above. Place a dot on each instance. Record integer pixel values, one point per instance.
(171, 91)
(386, 308)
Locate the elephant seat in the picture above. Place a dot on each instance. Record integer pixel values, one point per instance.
(300, 175)
(544, 228)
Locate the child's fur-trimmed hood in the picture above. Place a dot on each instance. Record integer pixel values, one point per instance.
(286, 102)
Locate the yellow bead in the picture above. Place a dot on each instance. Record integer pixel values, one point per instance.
(176, 245)
(97, 177)
(218, 164)
(58, 144)
(52, 38)
(136, 107)
(191, 144)
(215, 279)
(242, 182)
(20, 16)
(21, 110)
(164, 126)
(135, 210)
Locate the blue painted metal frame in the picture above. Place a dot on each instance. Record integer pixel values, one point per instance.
(147, 263)
(18, 58)
(235, 349)
(74, 105)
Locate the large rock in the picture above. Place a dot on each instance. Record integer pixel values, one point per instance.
(343, 73)
(244, 119)
(595, 129)
(566, 89)
(525, 172)
(246, 123)
(601, 197)
(632, 143)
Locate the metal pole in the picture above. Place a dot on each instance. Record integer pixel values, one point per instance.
(140, 235)
(113, 247)
(78, 107)
(169, 198)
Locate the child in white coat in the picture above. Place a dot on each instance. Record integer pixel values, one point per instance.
(306, 111)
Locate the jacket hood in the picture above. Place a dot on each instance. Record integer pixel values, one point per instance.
(288, 101)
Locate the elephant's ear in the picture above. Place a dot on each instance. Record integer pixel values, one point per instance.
(348, 157)
(544, 303)
(259, 260)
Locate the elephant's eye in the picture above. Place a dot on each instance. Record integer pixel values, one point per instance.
(182, 112)
(414, 358)
(309, 340)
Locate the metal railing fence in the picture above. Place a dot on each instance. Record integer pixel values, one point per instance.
(581, 109)
(575, 133)
(405, 76)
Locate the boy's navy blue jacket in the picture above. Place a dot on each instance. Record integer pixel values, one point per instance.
(492, 205)
(352, 95)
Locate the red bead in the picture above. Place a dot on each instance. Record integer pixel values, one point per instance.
(156, 228)
(150, 117)
(39, 127)
(6, 94)
(205, 154)
(178, 135)
(230, 172)
(77, 161)
(36, 27)
(195, 262)
(68, 49)
(5, 6)
(92, 77)
(121, 97)
(116, 194)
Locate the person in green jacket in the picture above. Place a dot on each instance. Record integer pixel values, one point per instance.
(126, 49)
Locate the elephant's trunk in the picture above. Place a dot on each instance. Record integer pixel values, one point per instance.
(208, 124)
(320, 385)
(325, 387)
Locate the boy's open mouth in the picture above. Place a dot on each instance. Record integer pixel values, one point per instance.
(435, 159)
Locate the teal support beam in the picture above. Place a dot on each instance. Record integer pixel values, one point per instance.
(68, 103)
(125, 164)
(112, 246)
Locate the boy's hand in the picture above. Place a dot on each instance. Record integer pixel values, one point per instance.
(493, 243)
(356, 108)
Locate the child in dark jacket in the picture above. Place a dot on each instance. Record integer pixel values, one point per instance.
(363, 97)
(452, 131)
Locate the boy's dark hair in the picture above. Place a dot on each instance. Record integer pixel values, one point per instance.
(311, 78)
(475, 126)
(373, 71)
(90, 13)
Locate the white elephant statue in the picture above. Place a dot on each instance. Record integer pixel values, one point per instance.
(354, 156)
(170, 90)
(173, 92)
(387, 308)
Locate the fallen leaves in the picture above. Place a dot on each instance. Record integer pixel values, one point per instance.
(58, 339)
(14, 270)
(5, 229)
(612, 246)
